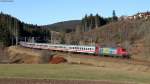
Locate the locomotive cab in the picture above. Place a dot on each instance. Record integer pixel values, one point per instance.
(123, 52)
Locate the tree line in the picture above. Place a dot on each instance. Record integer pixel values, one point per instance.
(90, 22)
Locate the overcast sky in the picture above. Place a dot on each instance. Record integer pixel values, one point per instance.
(44, 12)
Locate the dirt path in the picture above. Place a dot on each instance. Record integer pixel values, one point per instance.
(42, 81)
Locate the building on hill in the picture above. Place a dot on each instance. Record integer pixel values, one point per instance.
(142, 15)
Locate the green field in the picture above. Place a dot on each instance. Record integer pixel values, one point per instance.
(71, 72)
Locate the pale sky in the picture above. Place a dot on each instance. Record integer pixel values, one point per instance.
(43, 12)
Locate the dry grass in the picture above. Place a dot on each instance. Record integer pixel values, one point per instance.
(112, 63)
(27, 56)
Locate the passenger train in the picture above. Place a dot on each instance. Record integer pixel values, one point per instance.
(95, 50)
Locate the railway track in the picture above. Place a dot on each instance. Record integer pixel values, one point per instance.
(108, 59)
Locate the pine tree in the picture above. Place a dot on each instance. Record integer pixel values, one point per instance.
(85, 23)
(114, 17)
(92, 22)
(97, 21)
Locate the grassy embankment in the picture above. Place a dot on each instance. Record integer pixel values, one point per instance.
(72, 72)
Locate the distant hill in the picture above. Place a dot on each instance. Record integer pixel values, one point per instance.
(66, 26)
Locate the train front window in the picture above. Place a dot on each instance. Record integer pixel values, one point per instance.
(123, 49)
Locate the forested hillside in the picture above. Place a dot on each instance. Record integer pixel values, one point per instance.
(95, 21)
(87, 23)
(133, 35)
(12, 30)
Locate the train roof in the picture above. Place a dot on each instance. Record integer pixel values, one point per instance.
(62, 44)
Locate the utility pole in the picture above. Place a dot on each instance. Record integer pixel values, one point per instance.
(25, 39)
(33, 41)
(51, 36)
(16, 32)
(11, 30)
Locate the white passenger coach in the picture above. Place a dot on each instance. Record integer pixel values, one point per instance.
(60, 47)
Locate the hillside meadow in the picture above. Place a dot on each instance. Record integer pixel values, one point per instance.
(72, 72)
